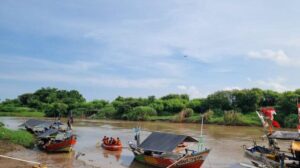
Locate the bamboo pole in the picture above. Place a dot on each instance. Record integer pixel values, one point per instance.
(22, 160)
(177, 161)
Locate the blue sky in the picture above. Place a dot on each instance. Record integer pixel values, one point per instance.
(150, 47)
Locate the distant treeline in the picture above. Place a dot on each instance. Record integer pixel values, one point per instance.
(54, 102)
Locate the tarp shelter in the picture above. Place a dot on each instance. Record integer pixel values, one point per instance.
(164, 142)
(284, 135)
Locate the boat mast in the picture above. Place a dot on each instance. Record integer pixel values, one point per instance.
(201, 140)
(137, 135)
(298, 106)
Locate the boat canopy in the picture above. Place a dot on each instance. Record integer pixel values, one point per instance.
(284, 135)
(41, 123)
(164, 142)
(48, 133)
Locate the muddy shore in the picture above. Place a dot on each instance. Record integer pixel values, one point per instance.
(13, 150)
(6, 147)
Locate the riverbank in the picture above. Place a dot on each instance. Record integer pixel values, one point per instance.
(22, 114)
(6, 147)
(19, 137)
(250, 119)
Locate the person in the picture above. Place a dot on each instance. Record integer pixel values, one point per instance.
(113, 142)
(110, 141)
(104, 140)
(69, 124)
(118, 142)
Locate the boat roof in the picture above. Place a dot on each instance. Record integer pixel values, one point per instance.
(164, 142)
(285, 135)
(48, 133)
(34, 122)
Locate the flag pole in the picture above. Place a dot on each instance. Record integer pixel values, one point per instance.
(298, 107)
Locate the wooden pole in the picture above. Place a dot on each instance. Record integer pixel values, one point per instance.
(177, 161)
(22, 160)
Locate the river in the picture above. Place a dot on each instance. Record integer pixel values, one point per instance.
(225, 141)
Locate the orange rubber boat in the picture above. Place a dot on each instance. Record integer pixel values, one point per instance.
(112, 147)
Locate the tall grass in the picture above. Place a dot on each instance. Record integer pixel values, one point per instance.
(20, 137)
(22, 114)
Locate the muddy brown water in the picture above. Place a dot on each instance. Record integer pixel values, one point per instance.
(226, 143)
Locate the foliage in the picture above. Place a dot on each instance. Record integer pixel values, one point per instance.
(20, 137)
(291, 121)
(141, 113)
(56, 110)
(185, 113)
(23, 114)
(54, 102)
(207, 116)
(108, 111)
(232, 118)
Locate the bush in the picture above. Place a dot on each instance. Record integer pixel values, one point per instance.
(108, 111)
(291, 121)
(185, 113)
(232, 118)
(141, 113)
(207, 116)
(1, 124)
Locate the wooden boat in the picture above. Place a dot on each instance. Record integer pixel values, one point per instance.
(54, 140)
(272, 156)
(260, 156)
(112, 147)
(65, 145)
(160, 150)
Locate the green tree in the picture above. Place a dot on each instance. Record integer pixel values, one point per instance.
(173, 106)
(196, 105)
(141, 113)
(56, 110)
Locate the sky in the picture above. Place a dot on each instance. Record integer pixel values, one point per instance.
(110, 48)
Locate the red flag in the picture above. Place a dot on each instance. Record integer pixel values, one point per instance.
(268, 112)
(275, 124)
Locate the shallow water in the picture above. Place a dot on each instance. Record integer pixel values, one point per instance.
(226, 143)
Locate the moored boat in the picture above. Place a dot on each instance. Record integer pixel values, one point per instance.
(56, 141)
(65, 145)
(272, 156)
(164, 150)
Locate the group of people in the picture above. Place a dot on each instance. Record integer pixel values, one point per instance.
(111, 141)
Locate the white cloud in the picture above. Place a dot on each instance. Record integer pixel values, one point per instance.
(76, 73)
(232, 88)
(279, 57)
(277, 84)
(192, 91)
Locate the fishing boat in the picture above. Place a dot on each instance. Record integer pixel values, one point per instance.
(165, 150)
(112, 147)
(272, 156)
(54, 140)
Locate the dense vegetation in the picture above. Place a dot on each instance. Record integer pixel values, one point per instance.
(19, 137)
(235, 107)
